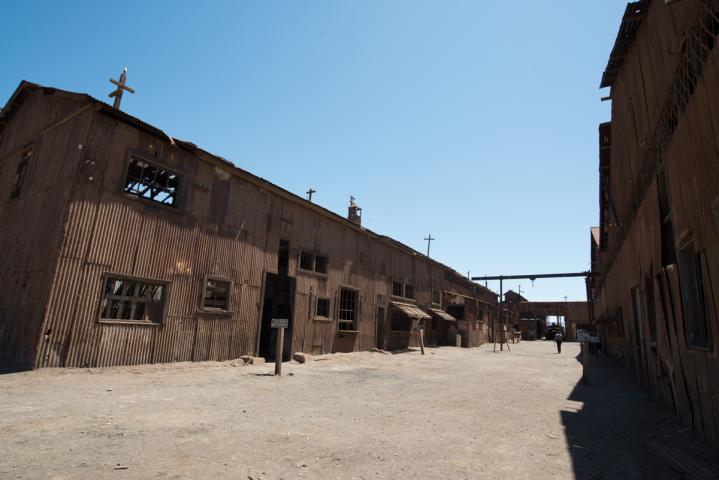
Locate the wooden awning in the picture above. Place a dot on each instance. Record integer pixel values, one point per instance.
(441, 314)
(411, 311)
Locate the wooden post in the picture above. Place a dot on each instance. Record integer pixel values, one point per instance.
(278, 350)
(421, 340)
(501, 319)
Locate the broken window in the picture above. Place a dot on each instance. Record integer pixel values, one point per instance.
(133, 300)
(152, 182)
(20, 173)
(216, 295)
(348, 309)
(436, 296)
(312, 262)
(692, 293)
(408, 291)
(322, 308)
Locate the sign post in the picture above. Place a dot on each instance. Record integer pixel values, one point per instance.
(280, 324)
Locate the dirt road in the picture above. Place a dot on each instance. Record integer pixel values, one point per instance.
(453, 413)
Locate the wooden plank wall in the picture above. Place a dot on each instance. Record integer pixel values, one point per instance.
(226, 226)
(683, 377)
(31, 224)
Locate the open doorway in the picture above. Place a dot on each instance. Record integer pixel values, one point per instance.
(278, 302)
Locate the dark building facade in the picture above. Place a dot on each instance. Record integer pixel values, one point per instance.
(122, 245)
(655, 256)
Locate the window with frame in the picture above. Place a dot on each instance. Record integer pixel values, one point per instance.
(408, 291)
(216, 294)
(312, 262)
(20, 174)
(402, 289)
(133, 300)
(152, 182)
(348, 308)
(306, 261)
(437, 296)
(322, 308)
(691, 283)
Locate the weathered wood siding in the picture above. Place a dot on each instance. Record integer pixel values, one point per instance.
(52, 126)
(228, 223)
(643, 94)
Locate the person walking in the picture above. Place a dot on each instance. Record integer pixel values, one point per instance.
(558, 338)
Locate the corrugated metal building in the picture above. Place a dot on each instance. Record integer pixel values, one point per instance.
(122, 245)
(655, 257)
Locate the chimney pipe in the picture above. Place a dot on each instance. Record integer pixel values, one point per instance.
(354, 213)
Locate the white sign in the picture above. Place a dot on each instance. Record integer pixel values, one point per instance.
(584, 336)
(280, 322)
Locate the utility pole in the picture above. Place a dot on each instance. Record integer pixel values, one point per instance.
(429, 242)
(309, 194)
(121, 87)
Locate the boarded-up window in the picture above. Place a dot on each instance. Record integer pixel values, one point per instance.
(133, 300)
(692, 291)
(152, 182)
(322, 308)
(216, 294)
(349, 305)
(20, 173)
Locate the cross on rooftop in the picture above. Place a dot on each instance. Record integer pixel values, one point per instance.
(121, 87)
(429, 239)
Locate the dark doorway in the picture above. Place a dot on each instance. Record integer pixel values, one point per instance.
(380, 327)
(278, 302)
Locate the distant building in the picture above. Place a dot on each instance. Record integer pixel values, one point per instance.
(122, 245)
(655, 255)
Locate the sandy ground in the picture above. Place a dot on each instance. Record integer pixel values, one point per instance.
(453, 413)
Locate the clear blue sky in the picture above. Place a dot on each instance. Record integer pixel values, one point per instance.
(473, 120)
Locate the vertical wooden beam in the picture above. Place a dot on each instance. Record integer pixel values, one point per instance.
(278, 351)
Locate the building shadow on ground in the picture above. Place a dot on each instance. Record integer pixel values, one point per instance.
(612, 431)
